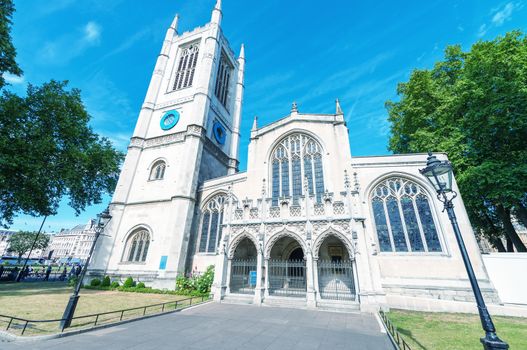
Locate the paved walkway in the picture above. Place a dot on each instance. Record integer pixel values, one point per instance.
(223, 326)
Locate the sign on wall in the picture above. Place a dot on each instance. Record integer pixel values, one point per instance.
(163, 262)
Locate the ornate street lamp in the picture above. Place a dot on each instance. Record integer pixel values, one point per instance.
(102, 220)
(439, 174)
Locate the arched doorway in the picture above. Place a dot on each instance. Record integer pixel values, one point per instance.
(287, 269)
(336, 280)
(243, 268)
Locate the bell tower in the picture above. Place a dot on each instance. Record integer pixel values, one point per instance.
(187, 132)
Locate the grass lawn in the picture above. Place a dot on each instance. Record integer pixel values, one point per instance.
(451, 331)
(47, 300)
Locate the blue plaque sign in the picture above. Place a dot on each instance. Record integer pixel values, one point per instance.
(252, 278)
(163, 262)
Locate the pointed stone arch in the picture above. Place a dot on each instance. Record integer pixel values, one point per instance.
(285, 232)
(332, 231)
(237, 239)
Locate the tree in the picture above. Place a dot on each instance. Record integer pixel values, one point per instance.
(48, 151)
(473, 106)
(21, 242)
(7, 50)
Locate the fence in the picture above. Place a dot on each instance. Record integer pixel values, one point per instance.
(38, 327)
(9, 275)
(335, 279)
(287, 278)
(396, 337)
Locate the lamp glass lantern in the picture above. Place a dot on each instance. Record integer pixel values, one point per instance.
(103, 218)
(438, 173)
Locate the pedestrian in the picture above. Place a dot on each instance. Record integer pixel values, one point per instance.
(78, 270)
(1, 271)
(63, 274)
(26, 272)
(48, 272)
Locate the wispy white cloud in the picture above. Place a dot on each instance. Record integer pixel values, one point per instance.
(500, 15)
(129, 42)
(92, 32)
(71, 45)
(504, 14)
(14, 79)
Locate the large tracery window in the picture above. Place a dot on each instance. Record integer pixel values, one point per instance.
(136, 247)
(211, 224)
(186, 67)
(403, 217)
(222, 80)
(295, 160)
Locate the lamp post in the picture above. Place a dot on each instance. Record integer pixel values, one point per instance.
(102, 220)
(439, 174)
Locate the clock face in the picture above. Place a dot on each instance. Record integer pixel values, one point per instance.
(219, 132)
(169, 120)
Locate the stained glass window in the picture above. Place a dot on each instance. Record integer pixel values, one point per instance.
(211, 221)
(300, 159)
(136, 247)
(403, 217)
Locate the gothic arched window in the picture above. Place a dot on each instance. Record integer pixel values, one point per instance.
(403, 218)
(136, 247)
(158, 170)
(186, 67)
(297, 159)
(222, 80)
(211, 221)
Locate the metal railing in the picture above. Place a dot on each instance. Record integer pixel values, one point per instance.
(396, 337)
(335, 279)
(92, 320)
(9, 275)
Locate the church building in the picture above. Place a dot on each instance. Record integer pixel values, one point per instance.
(307, 224)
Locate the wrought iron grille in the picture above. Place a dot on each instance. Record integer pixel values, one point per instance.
(287, 278)
(335, 280)
(243, 276)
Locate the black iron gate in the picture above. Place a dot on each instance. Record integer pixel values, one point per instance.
(335, 280)
(287, 278)
(243, 276)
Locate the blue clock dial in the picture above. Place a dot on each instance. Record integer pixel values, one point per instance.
(169, 120)
(219, 132)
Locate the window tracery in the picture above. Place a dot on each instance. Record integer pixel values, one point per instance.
(295, 161)
(403, 217)
(136, 248)
(211, 224)
(186, 67)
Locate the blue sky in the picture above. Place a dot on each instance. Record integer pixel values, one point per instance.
(306, 51)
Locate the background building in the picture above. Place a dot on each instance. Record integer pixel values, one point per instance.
(72, 245)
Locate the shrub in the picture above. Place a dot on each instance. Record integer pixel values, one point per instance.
(114, 284)
(106, 281)
(195, 285)
(129, 282)
(95, 282)
(140, 285)
(72, 282)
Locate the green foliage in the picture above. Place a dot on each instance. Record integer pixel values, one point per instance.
(106, 281)
(49, 151)
(195, 285)
(21, 242)
(96, 282)
(129, 282)
(140, 285)
(7, 50)
(72, 281)
(473, 106)
(114, 284)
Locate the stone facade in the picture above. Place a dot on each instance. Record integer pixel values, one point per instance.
(302, 225)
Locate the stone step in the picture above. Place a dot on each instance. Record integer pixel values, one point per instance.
(338, 305)
(244, 299)
(291, 302)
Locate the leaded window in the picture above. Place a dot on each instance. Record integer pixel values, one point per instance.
(211, 224)
(297, 161)
(403, 217)
(136, 248)
(186, 67)
(223, 79)
(158, 170)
